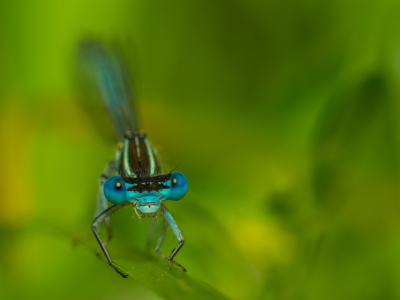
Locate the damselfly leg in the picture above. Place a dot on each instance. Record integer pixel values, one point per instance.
(168, 219)
(95, 225)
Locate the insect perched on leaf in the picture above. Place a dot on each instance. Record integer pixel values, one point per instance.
(134, 175)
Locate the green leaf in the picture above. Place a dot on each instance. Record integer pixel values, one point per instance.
(161, 277)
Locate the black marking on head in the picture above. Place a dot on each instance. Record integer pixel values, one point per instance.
(148, 184)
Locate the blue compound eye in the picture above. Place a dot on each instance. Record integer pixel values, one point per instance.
(179, 186)
(115, 189)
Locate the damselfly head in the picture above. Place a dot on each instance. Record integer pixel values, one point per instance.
(146, 192)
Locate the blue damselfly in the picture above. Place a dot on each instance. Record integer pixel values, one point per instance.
(134, 176)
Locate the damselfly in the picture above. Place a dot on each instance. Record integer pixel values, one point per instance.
(134, 175)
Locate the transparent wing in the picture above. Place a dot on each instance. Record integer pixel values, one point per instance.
(106, 71)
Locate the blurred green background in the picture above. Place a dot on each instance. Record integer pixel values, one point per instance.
(283, 115)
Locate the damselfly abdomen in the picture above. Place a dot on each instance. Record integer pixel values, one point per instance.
(134, 176)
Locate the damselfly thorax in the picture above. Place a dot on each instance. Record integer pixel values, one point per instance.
(138, 158)
(140, 169)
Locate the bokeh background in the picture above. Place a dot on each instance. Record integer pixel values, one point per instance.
(283, 115)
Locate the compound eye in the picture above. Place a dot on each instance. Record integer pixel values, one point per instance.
(115, 190)
(179, 186)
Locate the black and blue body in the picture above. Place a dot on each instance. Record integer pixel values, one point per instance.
(134, 176)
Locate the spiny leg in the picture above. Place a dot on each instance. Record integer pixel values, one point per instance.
(95, 225)
(109, 235)
(178, 234)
